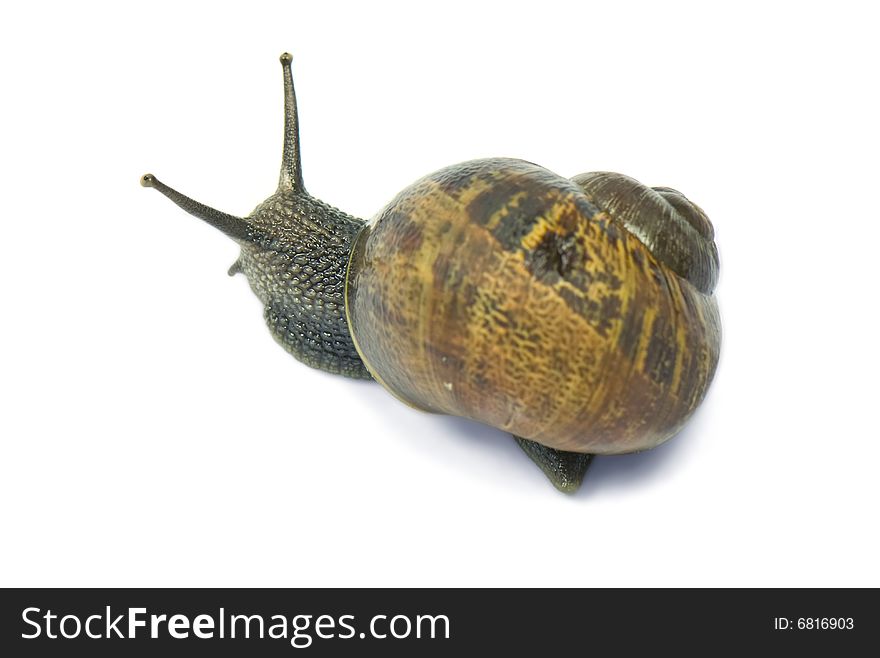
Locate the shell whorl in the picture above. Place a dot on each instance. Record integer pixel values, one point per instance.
(498, 291)
(674, 229)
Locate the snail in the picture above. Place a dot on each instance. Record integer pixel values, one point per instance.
(576, 314)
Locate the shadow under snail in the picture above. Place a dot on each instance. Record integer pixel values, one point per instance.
(577, 315)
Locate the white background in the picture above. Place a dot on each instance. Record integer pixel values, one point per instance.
(153, 433)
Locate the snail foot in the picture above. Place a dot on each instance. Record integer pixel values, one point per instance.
(564, 469)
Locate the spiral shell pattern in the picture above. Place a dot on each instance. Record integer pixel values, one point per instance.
(572, 313)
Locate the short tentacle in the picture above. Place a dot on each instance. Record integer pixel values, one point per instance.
(236, 228)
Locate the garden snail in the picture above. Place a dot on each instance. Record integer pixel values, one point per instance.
(577, 315)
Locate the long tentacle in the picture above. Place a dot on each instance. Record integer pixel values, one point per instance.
(291, 164)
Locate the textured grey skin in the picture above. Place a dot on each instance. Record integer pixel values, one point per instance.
(294, 253)
(295, 263)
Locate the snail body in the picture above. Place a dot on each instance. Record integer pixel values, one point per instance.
(577, 315)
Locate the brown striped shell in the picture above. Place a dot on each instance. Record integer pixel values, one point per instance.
(578, 314)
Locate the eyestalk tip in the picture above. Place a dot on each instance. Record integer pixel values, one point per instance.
(148, 180)
(286, 58)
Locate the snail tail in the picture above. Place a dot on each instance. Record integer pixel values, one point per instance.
(564, 469)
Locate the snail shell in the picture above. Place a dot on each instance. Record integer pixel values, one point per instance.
(576, 313)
